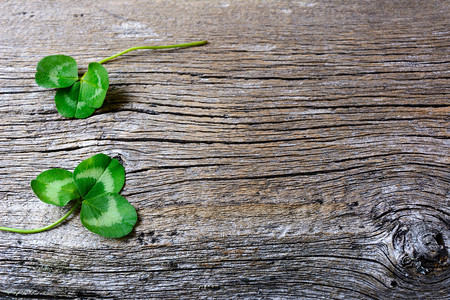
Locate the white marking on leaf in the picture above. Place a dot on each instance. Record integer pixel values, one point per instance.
(69, 101)
(107, 218)
(53, 188)
(81, 105)
(97, 92)
(99, 80)
(93, 173)
(107, 180)
(101, 175)
(53, 73)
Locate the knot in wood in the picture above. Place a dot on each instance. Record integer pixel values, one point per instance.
(422, 244)
(120, 158)
(425, 241)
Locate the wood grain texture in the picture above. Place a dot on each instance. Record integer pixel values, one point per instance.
(302, 153)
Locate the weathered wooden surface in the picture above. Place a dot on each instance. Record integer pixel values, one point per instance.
(303, 153)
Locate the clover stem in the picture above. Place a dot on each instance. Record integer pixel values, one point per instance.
(154, 47)
(43, 228)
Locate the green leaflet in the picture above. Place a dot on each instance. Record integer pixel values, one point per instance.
(75, 98)
(109, 215)
(94, 85)
(69, 104)
(56, 71)
(55, 187)
(95, 183)
(98, 175)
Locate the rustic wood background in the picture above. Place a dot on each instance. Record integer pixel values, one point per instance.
(304, 152)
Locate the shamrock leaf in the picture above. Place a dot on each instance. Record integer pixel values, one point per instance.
(109, 215)
(75, 98)
(79, 97)
(94, 85)
(55, 187)
(56, 71)
(98, 175)
(104, 211)
(94, 184)
(70, 105)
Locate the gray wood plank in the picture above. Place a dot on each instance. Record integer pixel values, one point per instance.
(302, 153)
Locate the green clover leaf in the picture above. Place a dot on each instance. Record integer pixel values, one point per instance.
(94, 184)
(75, 98)
(104, 211)
(109, 215)
(56, 71)
(84, 96)
(55, 187)
(98, 175)
(94, 85)
(69, 104)
(80, 97)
